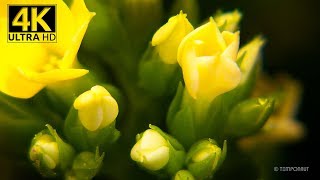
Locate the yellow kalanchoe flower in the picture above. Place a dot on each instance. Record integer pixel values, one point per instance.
(168, 37)
(96, 108)
(207, 58)
(26, 68)
(228, 21)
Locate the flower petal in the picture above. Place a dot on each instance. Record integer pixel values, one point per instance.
(22, 86)
(54, 75)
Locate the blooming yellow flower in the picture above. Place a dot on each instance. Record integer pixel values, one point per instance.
(96, 108)
(207, 58)
(26, 68)
(168, 37)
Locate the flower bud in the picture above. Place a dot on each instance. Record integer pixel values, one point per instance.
(86, 165)
(91, 120)
(168, 37)
(49, 153)
(151, 151)
(96, 108)
(205, 157)
(156, 151)
(248, 57)
(183, 175)
(228, 21)
(207, 58)
(249, 116)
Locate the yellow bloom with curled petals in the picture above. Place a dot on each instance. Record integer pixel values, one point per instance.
(26, 68)
(207, 58)
(168, 37)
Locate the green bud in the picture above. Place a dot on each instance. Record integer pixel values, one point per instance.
(205, 157)
(158, 151)
(86, 165)
(156, 77)
(91, 120)
(183, 175)
(249, 116)
(180, 119)
(228, 21)
(49, 153)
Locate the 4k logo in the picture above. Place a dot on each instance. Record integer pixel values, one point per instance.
(32, 23)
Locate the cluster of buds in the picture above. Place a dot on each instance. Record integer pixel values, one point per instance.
(196, 82)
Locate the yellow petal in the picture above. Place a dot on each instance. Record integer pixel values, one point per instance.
(232, 40)
(169, 36)
(54, 75)
(209, 37)
(15, 84)
(82, 17)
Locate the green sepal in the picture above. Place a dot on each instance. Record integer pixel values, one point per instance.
(85, 140)
(86, 164)
(208, 166)
(183, 175)
(156, 77)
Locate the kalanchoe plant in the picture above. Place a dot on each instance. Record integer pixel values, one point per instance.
(189, 77)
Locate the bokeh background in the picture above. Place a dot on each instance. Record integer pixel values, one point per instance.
(291, 28)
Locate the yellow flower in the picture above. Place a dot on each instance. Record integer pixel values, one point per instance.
(26, 68)
(96, 108)
(169, 36)
(207, 58)
(228, 21)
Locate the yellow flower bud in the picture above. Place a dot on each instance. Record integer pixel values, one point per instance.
(45, 151)
(151, 151)
(228, 21)
(251, 54)
(168, 37)
(207, 58)
(26, 68)
(96, 108)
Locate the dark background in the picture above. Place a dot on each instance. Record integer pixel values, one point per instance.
(291, 28)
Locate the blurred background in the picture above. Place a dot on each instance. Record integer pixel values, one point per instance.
(291, 28)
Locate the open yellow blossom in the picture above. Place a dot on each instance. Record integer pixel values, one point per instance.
(169, 36)
(207, 58)
(96, 108)
(26, 68)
